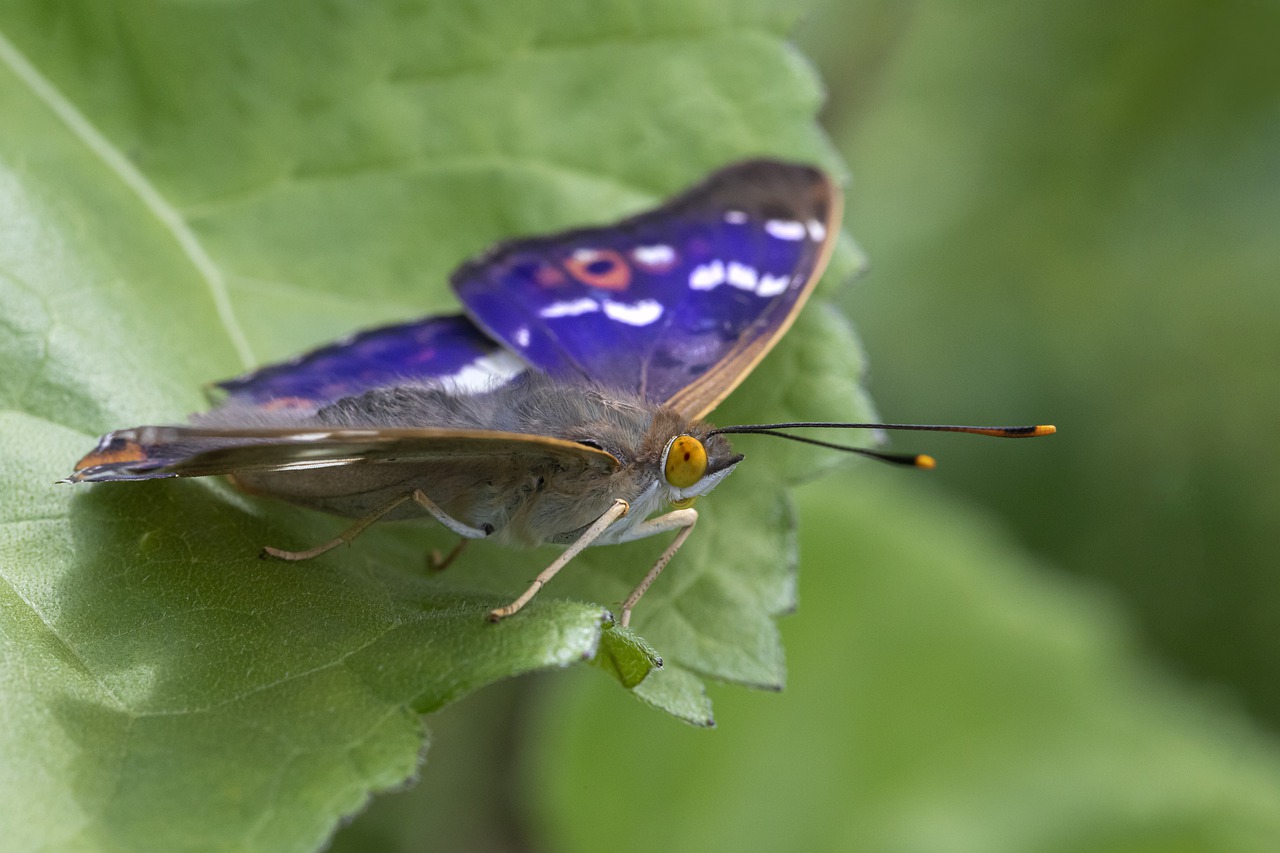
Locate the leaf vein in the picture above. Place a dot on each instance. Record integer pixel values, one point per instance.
(128, 174)
(71, 651)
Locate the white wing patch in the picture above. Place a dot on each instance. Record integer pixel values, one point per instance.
(786, 229)
(772, 285)
(741, 276)
(586, 256)
(657, 257)
(486, 372)
(569, 308)
(744, 277)
(707, 276)
(640, 313)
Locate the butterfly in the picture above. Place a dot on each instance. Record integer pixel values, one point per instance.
(566, 405)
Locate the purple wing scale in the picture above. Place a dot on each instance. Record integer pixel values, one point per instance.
(447, 349)
(677, 304)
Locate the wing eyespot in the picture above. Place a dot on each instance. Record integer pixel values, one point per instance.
(605, 269)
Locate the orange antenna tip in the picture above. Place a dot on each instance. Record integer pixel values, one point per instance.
(926, 462)
(1007, 432)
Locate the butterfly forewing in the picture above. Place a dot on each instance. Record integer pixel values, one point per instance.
(165, 451)
(676, 305)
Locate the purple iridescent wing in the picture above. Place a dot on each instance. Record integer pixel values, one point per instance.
(677, 304)
(447, 349)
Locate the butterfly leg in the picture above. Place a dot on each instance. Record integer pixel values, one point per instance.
(680, 519)
(466, 531)
(417, 496)
(591, 534)
(345, 536)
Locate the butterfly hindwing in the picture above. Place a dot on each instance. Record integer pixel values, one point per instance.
(446, 349)
(677, 304)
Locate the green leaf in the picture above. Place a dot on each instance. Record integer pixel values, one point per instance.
(947, 694)
(678, 692)
(626, 656)
(190, 189)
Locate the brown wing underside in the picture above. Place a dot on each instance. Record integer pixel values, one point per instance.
(169, 451)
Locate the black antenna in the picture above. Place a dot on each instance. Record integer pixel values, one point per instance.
(916, 460)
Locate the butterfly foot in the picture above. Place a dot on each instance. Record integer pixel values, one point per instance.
(499, 613)
(297, 556)
(437, 562)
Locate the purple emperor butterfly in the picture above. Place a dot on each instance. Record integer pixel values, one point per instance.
(565, 406)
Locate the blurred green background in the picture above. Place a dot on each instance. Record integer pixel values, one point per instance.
(1071, 212)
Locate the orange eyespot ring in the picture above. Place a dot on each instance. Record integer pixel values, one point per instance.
(684, 461)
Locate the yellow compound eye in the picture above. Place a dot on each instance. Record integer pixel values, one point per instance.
(684, 461)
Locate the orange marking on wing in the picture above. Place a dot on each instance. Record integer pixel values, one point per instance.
(548, 276)
(130, 451)
(602, 268)
(287, 404)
